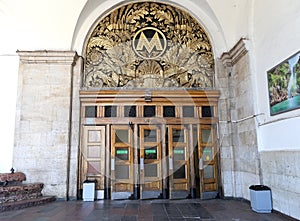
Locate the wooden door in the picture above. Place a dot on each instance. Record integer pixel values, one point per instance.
(92, 156)
(207, 162)
(122, 164)
(150, 162)
(179, 171)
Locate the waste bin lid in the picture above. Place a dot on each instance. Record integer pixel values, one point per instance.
(259, 187)
(89, 181)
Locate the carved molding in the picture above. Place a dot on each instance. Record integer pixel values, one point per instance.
(148, 45)
(236, 53)
(49, 57)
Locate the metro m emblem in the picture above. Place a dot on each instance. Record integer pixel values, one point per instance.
(149, 43)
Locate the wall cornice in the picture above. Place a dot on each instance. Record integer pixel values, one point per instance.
(231, 57)
(48, 57)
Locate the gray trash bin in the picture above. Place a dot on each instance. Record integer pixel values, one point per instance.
(260, 197)
(88, 190)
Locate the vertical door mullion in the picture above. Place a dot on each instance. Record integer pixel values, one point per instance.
(164, 161)
(191, 161)
(107, 163)
(136, 161)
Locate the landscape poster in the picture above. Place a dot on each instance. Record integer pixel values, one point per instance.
(284, 85)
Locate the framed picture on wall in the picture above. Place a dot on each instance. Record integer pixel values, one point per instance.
(284, 85)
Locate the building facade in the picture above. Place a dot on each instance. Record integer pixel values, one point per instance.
(155, 99)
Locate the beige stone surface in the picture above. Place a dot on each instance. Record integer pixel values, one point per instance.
(281, 172)
(42, 138)
(239, 152)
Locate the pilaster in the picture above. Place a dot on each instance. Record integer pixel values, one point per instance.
(240, 159)
(43, 118)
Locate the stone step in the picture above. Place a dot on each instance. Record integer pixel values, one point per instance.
(17, 177)
(20, 192)
(26, 203)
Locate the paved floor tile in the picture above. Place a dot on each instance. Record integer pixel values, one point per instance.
(142, 210)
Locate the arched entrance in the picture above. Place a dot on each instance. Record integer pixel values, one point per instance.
(148, 108)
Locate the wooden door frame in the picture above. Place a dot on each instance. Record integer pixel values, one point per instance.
(122, 188)
(85, 159)
(158, 180)
(176, 186)
(179, 98)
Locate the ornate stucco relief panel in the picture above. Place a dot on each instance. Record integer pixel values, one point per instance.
(148, 45)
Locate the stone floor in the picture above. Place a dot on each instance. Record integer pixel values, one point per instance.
(143, 210)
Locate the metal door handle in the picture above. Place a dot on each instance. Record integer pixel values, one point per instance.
(142, 163)
(200, 164)
(171, 163)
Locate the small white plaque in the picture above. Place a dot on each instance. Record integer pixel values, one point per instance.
(90, 121)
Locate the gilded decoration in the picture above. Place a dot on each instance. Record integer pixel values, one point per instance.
(148, 45)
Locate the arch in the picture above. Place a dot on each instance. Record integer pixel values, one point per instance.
(122, 40)
(149, 73)
(200, 10)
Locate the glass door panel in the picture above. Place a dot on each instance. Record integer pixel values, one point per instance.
(207, 161)
(179, 185)
(122, 177)
(150, 162)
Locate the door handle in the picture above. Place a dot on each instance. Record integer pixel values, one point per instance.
(171, 163)
(131, 125)
(142, 163)
(201, 164)
(112, 164)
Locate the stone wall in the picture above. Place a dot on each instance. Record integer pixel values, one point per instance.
(242, 164)
(43, 132)
(280, 170)
(224, 130)
(239, 154)
(75, 130)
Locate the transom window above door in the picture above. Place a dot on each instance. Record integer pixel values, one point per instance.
(111, 111)
(144, 106)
